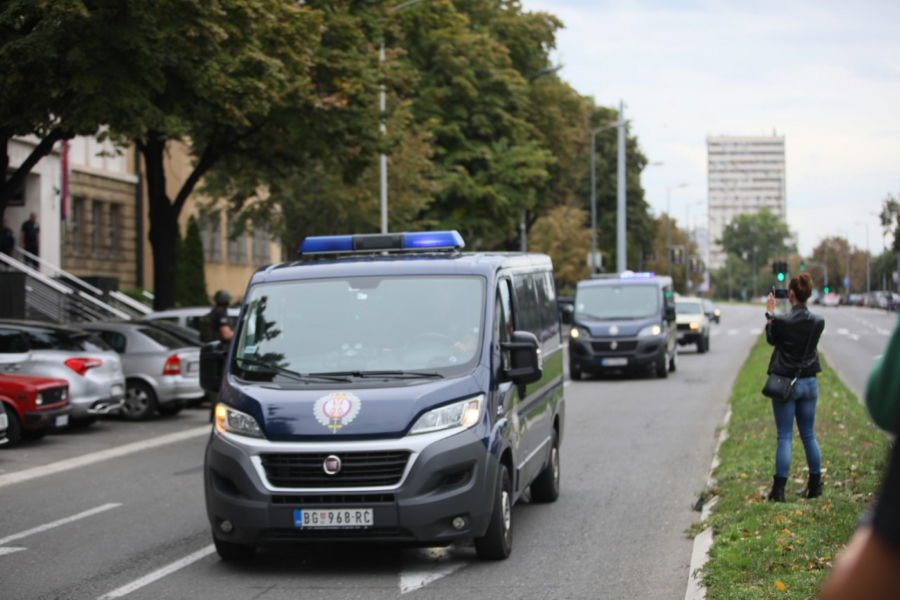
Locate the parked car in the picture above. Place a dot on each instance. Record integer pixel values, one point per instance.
(712, 311)
(190, 317)
(92, 369)
(831, 300)
(161, 372)
(33, 406)
(190, 337)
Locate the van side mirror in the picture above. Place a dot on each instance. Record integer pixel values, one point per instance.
(212, 366)
(670, 313)
(524, 358)
(567, 314)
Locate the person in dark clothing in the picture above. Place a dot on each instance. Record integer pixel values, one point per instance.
(31, 238)
(795, 336)
(7, 239)
(215, 326)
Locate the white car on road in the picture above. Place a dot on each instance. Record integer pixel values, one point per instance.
(692, 322)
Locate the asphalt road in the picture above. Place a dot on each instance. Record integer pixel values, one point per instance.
(636, 453)
(854, 337)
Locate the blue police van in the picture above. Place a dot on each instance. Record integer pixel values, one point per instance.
(623, 322)
(386, 388)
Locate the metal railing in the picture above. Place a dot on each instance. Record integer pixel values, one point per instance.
(47, 299)
(114, 301)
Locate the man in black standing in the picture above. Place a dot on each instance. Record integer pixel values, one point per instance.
(7, 239)
(31, 238)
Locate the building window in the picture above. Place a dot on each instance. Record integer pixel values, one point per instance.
(236, 250)
(113, 229)
(261, 245)
(18, 196)
(96, 209)
(77, 224)
(212, 237)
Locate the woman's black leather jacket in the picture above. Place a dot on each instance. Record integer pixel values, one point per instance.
(789, 333)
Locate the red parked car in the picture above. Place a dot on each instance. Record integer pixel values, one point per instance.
(33, 406)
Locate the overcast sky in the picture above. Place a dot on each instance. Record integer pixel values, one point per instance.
(824, 74)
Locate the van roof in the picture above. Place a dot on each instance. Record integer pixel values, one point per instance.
(443, 263)
(657, 280)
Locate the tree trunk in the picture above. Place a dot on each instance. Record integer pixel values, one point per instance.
(163, 223)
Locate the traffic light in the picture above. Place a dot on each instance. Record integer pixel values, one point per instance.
(695, 265)
(676, 255)
(826, 289)
(802, 266)
(779, 269)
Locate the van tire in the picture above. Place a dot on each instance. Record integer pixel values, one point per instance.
(574, 372)
(232, 552)
(545, 487)
(662, 365)
(496, 543)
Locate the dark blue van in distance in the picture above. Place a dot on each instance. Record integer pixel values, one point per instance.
(386, 388)
(623, 322)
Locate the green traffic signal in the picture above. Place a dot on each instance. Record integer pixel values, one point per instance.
(802, 266)
(826, 290)
(781, 277)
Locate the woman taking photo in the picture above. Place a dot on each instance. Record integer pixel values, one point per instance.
(795, 336)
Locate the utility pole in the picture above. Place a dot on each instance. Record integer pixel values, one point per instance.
(594, 132)
(620, 204)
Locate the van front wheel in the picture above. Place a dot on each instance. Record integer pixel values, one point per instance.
(496, 544)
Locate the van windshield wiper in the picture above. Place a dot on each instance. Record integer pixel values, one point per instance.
(289, 373)
(385, 374)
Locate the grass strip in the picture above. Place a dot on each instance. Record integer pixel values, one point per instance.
(784, 550)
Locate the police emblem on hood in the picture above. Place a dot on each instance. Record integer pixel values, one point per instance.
(613, 330)
(336, 410)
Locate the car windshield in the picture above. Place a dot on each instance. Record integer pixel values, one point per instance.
(362, 325)
(616, 302)
(162, 338)
(688, 308)
(51, 339)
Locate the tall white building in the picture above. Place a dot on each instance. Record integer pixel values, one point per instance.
(745, 175)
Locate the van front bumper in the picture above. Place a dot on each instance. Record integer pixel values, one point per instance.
(596, 355)
(451, 477)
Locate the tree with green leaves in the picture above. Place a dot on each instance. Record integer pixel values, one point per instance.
(190, 285)
(762, 234)
(567, 245)
(70, 67)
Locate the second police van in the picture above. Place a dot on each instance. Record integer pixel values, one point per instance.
(386, 388)
(623, 322)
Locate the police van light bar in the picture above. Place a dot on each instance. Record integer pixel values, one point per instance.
(631, 275)
(391, 242)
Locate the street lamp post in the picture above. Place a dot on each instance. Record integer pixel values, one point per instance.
(382, 127)
(868, 271)
(621, 253)
(668, 219)
(594, 133)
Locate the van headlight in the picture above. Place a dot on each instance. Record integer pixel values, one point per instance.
(578, 332)
(650, 331)
(463, 414)
(229, 420)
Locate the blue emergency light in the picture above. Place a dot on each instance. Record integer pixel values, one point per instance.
(631, 275)
(422, 241)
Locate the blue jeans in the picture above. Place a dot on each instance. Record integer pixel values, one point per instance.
(802, 405)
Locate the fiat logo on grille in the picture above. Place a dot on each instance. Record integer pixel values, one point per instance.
(332, 465)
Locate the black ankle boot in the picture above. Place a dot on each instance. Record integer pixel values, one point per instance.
(777, 493)
(813, 487)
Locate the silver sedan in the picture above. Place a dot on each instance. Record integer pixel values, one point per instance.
(161, 373)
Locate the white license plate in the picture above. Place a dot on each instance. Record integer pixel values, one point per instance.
(192, 367)
(334, 518)
(4, 421)
(61, 421)
(614, 362)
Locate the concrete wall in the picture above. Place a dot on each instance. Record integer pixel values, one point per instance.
(42, 196)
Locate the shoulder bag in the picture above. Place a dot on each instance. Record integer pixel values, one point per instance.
(779, 387)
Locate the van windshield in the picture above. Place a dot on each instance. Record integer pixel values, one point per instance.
(617, 302)
(361, 325)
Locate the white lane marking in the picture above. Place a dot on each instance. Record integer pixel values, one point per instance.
(95, 457)
(57, 523)
(733, 331)
(854, 337)
(755, 331)
(883, 331)
(10, 550)
(843, 331)
(160, 573)
(427, 566)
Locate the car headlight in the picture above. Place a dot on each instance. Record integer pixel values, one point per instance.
(717, 312)
(40, 400)
(234, 421)
(578, 332)
(650, 331)
(695, 326)
(463, 414)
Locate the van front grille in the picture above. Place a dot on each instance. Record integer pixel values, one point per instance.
(358, 469)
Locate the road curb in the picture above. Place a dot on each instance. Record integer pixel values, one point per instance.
(704, 540)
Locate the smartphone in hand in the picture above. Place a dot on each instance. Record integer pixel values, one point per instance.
(779, 293)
